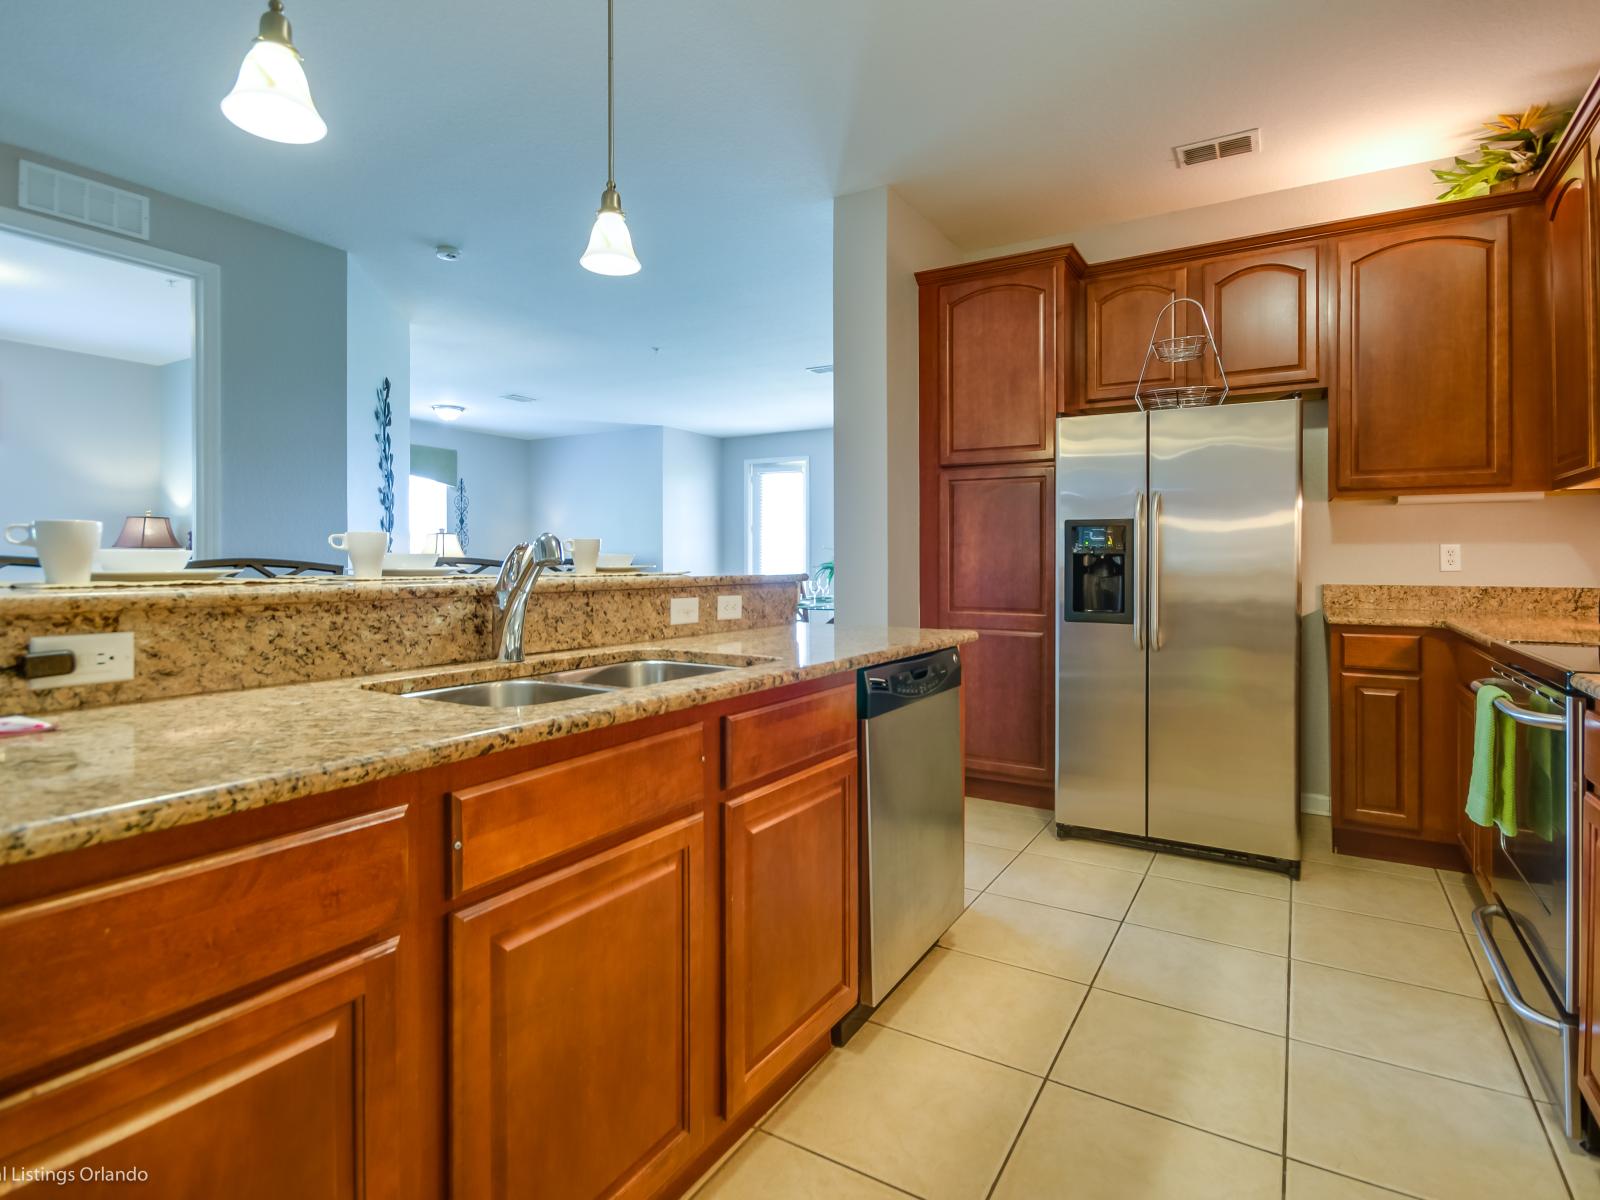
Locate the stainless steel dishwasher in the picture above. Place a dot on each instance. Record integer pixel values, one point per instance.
(912, 851)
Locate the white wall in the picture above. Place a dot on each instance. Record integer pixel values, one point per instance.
(691, 479)
(80, 437)
(604, 485)
(379, 348)
(176, 384)
(879, 241)
(814, 444)
(497, 477)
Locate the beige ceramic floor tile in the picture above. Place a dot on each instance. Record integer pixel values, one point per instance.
(987, 1008)
(1246, 987)
(1036, 936)
(1313, 1183)
(1080, 1146)
(1462, 901)
(968, 896)
(1253, 880)
(768, 1168)
(1010, 826)
(1400, 1023)
(1416, 1133)
(925, 1118)
(1420, 901)
(1316, 845)
(984, 863)
(1581, 1170)
(1532, 1079)
(1099, 891)
(1087, 850)
(1390, 949)
(1237, 918)
(1209, 1074)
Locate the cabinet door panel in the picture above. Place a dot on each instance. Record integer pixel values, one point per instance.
(1588, 961)
(1380, 751)
(791, 924)
(1009, 679)
(1423, 397)
(997, 366)
(1575, 454)
(579, 1026)
(1265, 314)
(995, 527)
(1120, 311)
(291, 1093)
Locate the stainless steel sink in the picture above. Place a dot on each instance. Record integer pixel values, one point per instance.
(638, 673)
(507, 693)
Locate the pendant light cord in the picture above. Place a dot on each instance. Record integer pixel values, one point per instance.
(611, 101)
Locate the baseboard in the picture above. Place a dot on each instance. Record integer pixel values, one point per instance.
(1317, 803)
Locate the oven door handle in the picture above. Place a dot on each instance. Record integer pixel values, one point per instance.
(1523, 716)
(1502, 973)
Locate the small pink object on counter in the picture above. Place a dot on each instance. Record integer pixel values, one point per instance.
(11, 726)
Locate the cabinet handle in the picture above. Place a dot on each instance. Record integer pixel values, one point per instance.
(1137, 580)
(1157, 637)
(1502, 973)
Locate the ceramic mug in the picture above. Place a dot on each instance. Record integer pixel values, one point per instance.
(366, 549)
(66, 548)
(585, 554)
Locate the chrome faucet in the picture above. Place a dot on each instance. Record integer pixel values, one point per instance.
(513, 587)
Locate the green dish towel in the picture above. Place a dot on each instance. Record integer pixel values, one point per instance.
(1492, 793)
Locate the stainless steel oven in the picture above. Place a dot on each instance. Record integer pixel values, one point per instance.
(1529, 926)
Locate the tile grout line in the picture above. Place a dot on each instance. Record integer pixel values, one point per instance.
(1382, 1187)
(1288, 1030)
(846, 1166)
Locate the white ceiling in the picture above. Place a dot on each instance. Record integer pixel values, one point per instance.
(481, 123)
(52, 295)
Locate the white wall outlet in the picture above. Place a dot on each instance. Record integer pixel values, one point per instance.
(730, 608)
(685, 610)
(101, 658)
(1449, 556)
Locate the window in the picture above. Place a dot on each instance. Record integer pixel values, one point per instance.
(776, 495)
(430, 488)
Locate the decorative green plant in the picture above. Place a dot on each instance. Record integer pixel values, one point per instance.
(1516, 144)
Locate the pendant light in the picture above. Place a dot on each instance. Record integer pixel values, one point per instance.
(271, 98)
(610, 249)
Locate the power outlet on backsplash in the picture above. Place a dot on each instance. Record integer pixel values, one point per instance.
(1449, 556)
(730, 608)
(685, 610)
(98, 658)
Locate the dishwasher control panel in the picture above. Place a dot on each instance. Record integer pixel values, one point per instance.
(911, 679)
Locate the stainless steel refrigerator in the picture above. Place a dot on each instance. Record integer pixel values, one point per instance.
(1177, 643)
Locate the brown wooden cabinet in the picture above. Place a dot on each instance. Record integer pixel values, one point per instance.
(790, 921)
(1574, 334)
(1380, 751)
(1120, 310)
(1422, 399)
(579, 1022)
(1266, 313)
(997, 377)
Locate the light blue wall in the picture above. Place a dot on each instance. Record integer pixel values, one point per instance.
(691, 465)
(379, 348)
(604, 485)
(815, 444)
(499, 500)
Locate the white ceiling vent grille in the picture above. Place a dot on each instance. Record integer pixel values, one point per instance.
(47, 190)
(518, 397)
(1230, 145)
(824, 369)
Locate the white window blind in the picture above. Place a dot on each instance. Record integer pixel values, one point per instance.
(775, 516)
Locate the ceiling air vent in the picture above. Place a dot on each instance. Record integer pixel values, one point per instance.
(824, 369)
(1230, 145)
(519, 397)
(47, 190)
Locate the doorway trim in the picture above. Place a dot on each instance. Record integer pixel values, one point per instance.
(207, 280)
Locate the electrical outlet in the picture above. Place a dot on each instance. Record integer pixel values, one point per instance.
(1449, 556)
(101, 658)
(730, 608)
(685, 610)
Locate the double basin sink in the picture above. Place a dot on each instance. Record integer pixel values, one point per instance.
(567, 685)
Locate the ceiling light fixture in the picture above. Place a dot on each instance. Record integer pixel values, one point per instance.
(448, 412)
(445, 252)
(271, 97)
(610, 249)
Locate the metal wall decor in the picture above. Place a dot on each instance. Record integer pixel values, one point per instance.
(385, 418)
(461, 514)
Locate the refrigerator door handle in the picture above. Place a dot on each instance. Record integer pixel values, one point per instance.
(1138, 571)
(1156, 636)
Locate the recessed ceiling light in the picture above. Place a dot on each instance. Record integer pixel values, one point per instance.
(824, 369)
(518, 397)
(447, 253)
(448, 412)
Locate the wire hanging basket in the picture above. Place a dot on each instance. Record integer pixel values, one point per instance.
(1180, 348)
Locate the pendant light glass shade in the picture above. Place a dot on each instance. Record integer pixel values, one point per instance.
(271, 97)
(610, 249)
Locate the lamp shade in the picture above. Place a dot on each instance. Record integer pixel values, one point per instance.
(271, 97)
(148, 532)
(610, 249)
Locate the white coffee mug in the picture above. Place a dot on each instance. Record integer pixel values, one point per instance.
(585, 554)
(366, 550)
(66, 548)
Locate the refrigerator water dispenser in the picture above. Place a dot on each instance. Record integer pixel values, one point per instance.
(1100, 575)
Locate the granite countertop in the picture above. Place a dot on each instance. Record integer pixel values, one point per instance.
(115, 772)
(1485, 615)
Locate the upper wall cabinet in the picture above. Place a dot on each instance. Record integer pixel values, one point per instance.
(997, 378)
(1422, 400)
(1120, 311)
(1575, 450)
(1265, 311)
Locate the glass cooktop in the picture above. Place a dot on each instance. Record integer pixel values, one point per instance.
(1564, 656)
